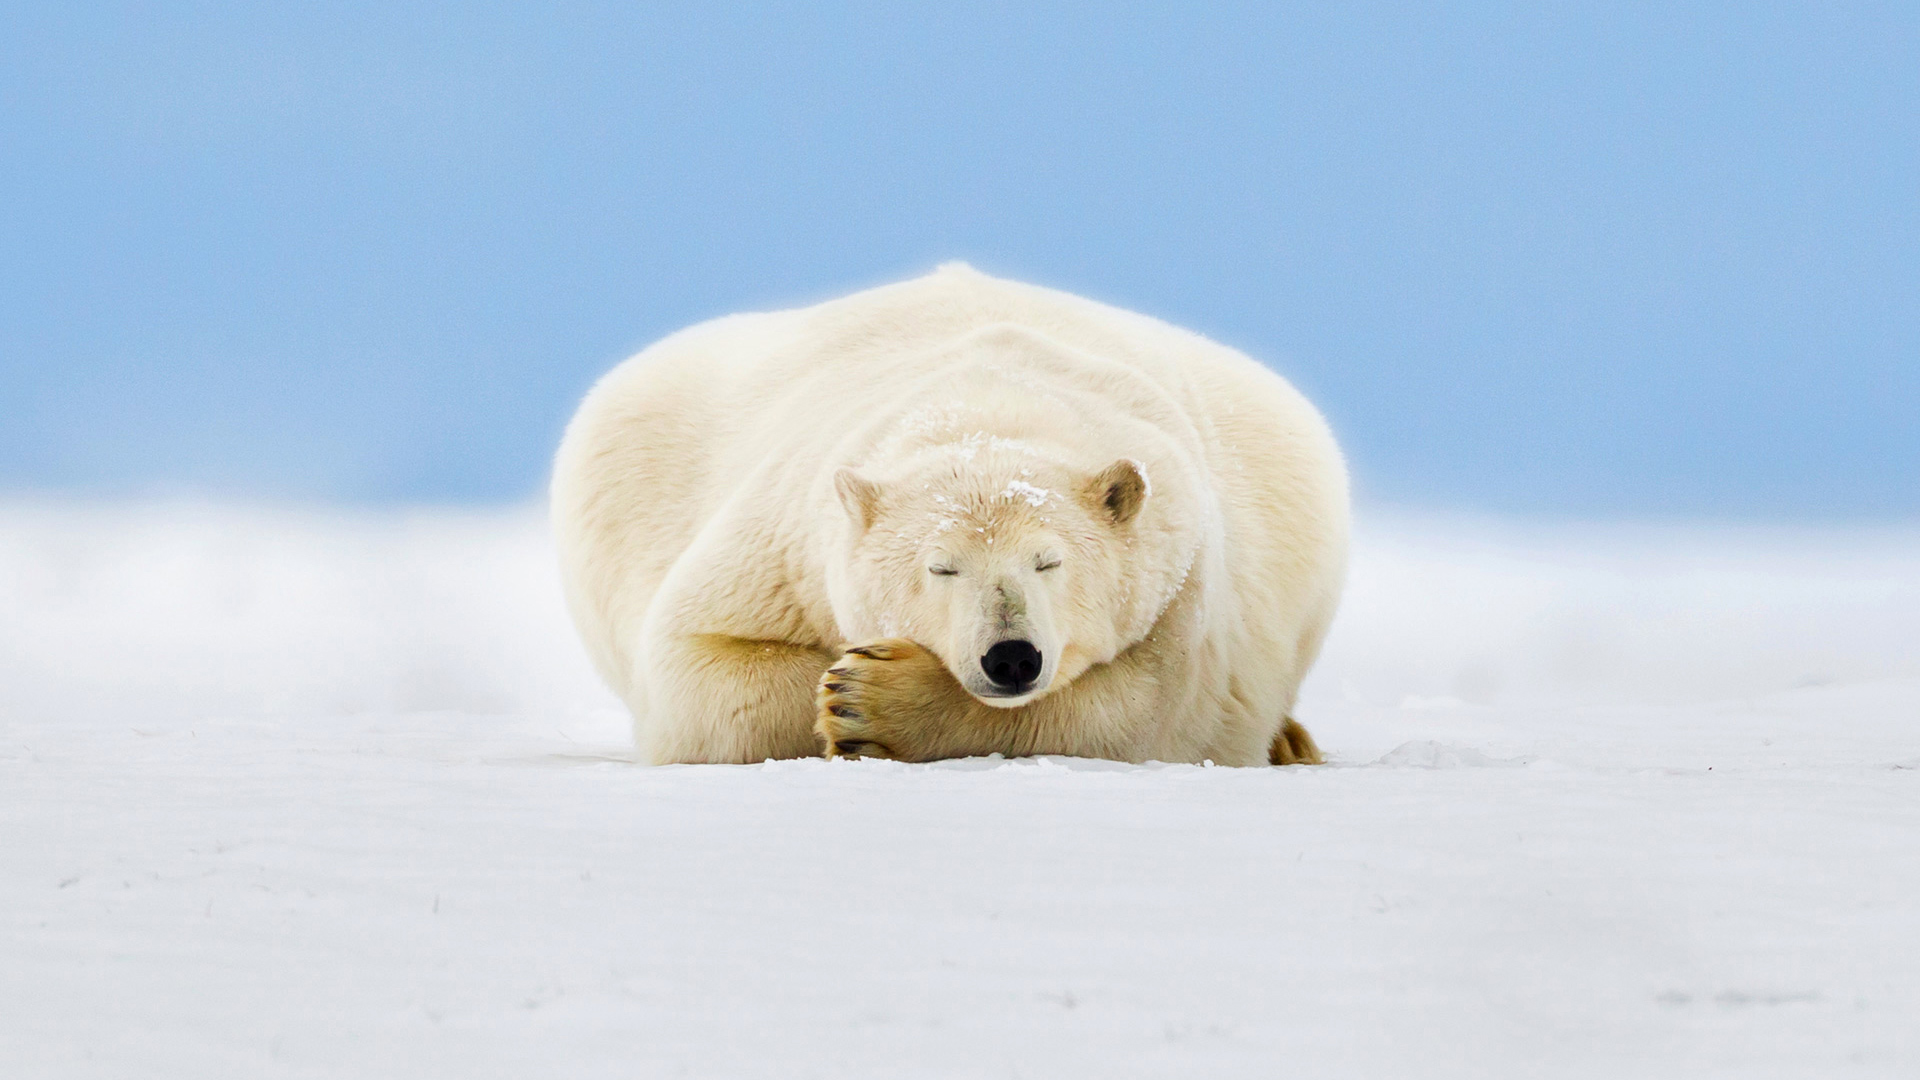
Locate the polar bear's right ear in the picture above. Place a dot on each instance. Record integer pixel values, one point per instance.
(1120, 490)
(859, 495)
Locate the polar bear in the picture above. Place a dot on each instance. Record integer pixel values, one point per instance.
(953, 516)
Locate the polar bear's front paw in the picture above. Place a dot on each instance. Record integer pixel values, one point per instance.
(878, 698)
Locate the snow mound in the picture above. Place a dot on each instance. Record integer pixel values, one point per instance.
(1427, 754)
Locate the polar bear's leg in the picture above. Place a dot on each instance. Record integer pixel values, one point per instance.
(894, 699)
(716, 698)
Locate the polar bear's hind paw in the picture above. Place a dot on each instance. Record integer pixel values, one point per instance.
(1293, 746)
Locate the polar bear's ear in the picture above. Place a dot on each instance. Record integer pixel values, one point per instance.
(1120, 490)
(859, 495)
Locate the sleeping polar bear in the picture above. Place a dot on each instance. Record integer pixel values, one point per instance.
(952, 516)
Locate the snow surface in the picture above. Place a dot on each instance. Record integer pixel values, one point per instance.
(313, 795)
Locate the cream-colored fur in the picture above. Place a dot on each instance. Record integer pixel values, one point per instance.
(889, 483)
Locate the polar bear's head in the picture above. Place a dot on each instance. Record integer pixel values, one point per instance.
(1017, 570)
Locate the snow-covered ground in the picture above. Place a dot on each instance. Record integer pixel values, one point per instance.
(301, 794)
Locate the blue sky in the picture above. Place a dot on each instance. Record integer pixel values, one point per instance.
(1607, 260)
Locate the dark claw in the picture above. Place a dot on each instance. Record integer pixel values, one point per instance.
(843, 712)
(844, 673)
(862, 650)
(855, 747)
(836, 687)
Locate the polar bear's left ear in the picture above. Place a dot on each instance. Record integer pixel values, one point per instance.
(859, 495)
(1120, 489)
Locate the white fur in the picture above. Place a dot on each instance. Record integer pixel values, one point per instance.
(741, 501)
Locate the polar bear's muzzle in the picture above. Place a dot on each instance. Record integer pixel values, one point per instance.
(1004, 651)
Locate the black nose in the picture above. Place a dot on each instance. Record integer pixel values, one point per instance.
(1012, 665)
